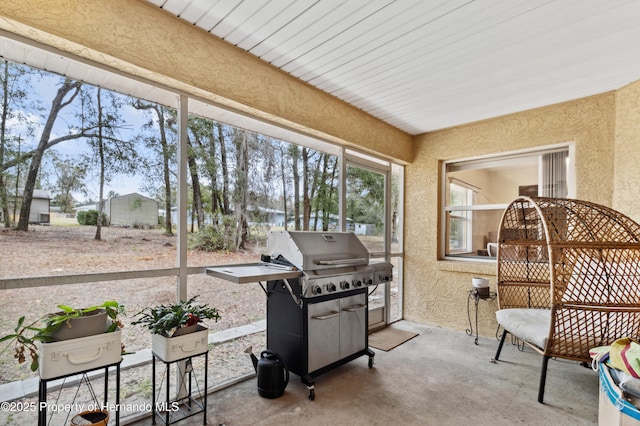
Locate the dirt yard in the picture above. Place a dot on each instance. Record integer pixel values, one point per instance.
(65, 250)
(47, 251)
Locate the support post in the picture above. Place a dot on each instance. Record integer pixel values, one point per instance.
(181, 294)
(181, 284)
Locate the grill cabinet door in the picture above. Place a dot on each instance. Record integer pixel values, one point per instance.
(353, 324)
(324, 333)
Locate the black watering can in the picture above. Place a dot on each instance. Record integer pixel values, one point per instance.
(273, 375)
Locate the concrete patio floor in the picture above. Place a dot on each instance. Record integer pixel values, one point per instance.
(438, 378)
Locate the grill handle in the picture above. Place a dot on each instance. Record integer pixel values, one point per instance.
(356, 260)
(354, 308)
(330, 315)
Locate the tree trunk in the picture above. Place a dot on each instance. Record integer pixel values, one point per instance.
(213, 177)
(242, 184)
(98, 235)
(296, 188)
(284, 186)
(56, 106)
(198, 209)
(3, 144)
(306, 203)
(165, 169)
(321, 201)
(17, 185)
(332, 190)
(213, 173)
(225, 172)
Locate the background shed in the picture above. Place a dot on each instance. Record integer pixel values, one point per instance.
(40, 206)
(131, 210)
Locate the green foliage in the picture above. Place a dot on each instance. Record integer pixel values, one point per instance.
(25, 337)
(90, 217)
(82, 217)
(365, 196)
(70, 175)
(166, 319)
(212, 238)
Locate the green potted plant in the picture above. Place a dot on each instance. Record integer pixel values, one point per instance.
(176, 329)
(38, 338)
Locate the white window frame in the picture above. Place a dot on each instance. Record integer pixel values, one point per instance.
(463, 215)
(447, 209)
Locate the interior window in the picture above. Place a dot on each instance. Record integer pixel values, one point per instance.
(460, 221)
(476, 192)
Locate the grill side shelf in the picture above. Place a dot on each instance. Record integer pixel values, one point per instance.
(252, 272)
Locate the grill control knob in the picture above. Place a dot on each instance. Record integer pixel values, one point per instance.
(344, 285)
(331, 287)
(357, 283)
(316, 289)
(370, 281)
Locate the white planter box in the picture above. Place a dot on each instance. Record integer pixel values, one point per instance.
(171, 349)
(75, 355)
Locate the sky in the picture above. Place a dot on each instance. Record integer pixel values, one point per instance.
(43, 91)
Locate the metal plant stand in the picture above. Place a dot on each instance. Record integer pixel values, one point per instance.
(42, 390)
(168, 408)
(473, 294)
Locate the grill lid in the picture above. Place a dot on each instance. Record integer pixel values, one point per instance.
(309, 250)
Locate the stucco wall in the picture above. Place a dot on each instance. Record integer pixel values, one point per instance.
(143, 40)
(627, 154)
(436, 291)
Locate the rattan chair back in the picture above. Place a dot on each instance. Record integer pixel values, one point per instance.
(579, 259)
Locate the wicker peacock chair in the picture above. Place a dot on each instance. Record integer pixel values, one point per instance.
(568, 277)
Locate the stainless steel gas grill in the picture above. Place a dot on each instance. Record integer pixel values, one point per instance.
(317, 304)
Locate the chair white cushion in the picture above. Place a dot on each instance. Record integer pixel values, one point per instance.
(530, 325)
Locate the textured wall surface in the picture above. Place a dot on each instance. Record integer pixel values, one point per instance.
(436, 291)
(627, 153)
(143, 40)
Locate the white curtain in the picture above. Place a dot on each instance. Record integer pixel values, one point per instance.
(553, 175)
